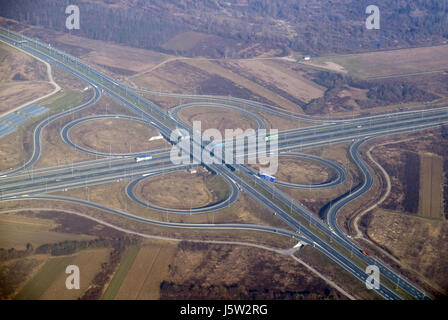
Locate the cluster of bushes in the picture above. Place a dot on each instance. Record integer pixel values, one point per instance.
(171, 290)
(380, 93)
(7, 254)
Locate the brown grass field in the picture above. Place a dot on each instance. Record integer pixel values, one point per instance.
(112, 57)
(420, 244)
(301, 171)
(281, 76)
(22, 78)
(178, 190)
(116, 135)
(17, 230)
(15, 273)
(150, 267)
(12, 150)
(431, 183)
(219, 118)
(15, 63)
(14, 94)
(257, 89)
(390, 63)
(172, 76)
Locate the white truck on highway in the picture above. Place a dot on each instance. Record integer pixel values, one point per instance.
(143, 158)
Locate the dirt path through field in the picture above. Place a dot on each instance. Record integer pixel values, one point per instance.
(50, 80)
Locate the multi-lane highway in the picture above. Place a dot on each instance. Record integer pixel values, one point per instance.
(317, 232)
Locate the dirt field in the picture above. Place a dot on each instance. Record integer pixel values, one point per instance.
(176, 190)
(219, 118)
(178, 76)
(172, 76)
(116, 136)
(257, 89)
(121, 60)
(431, 182)
(387, 63)
(278, 76)
(14, 94)
(22, 78)
(329, 65)
(17, 230)
(149, 269)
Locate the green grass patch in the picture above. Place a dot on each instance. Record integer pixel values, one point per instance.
(219, 186)
(37, 286)
(120, 275)
(56, 103)
(62, 101)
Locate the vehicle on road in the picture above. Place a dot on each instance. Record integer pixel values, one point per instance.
(364, 252)
(273, 137)
(143, 158)
(267, 177)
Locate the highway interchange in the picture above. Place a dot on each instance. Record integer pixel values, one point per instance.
(23, 183)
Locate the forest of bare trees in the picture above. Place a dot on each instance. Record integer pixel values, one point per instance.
(312, 26)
